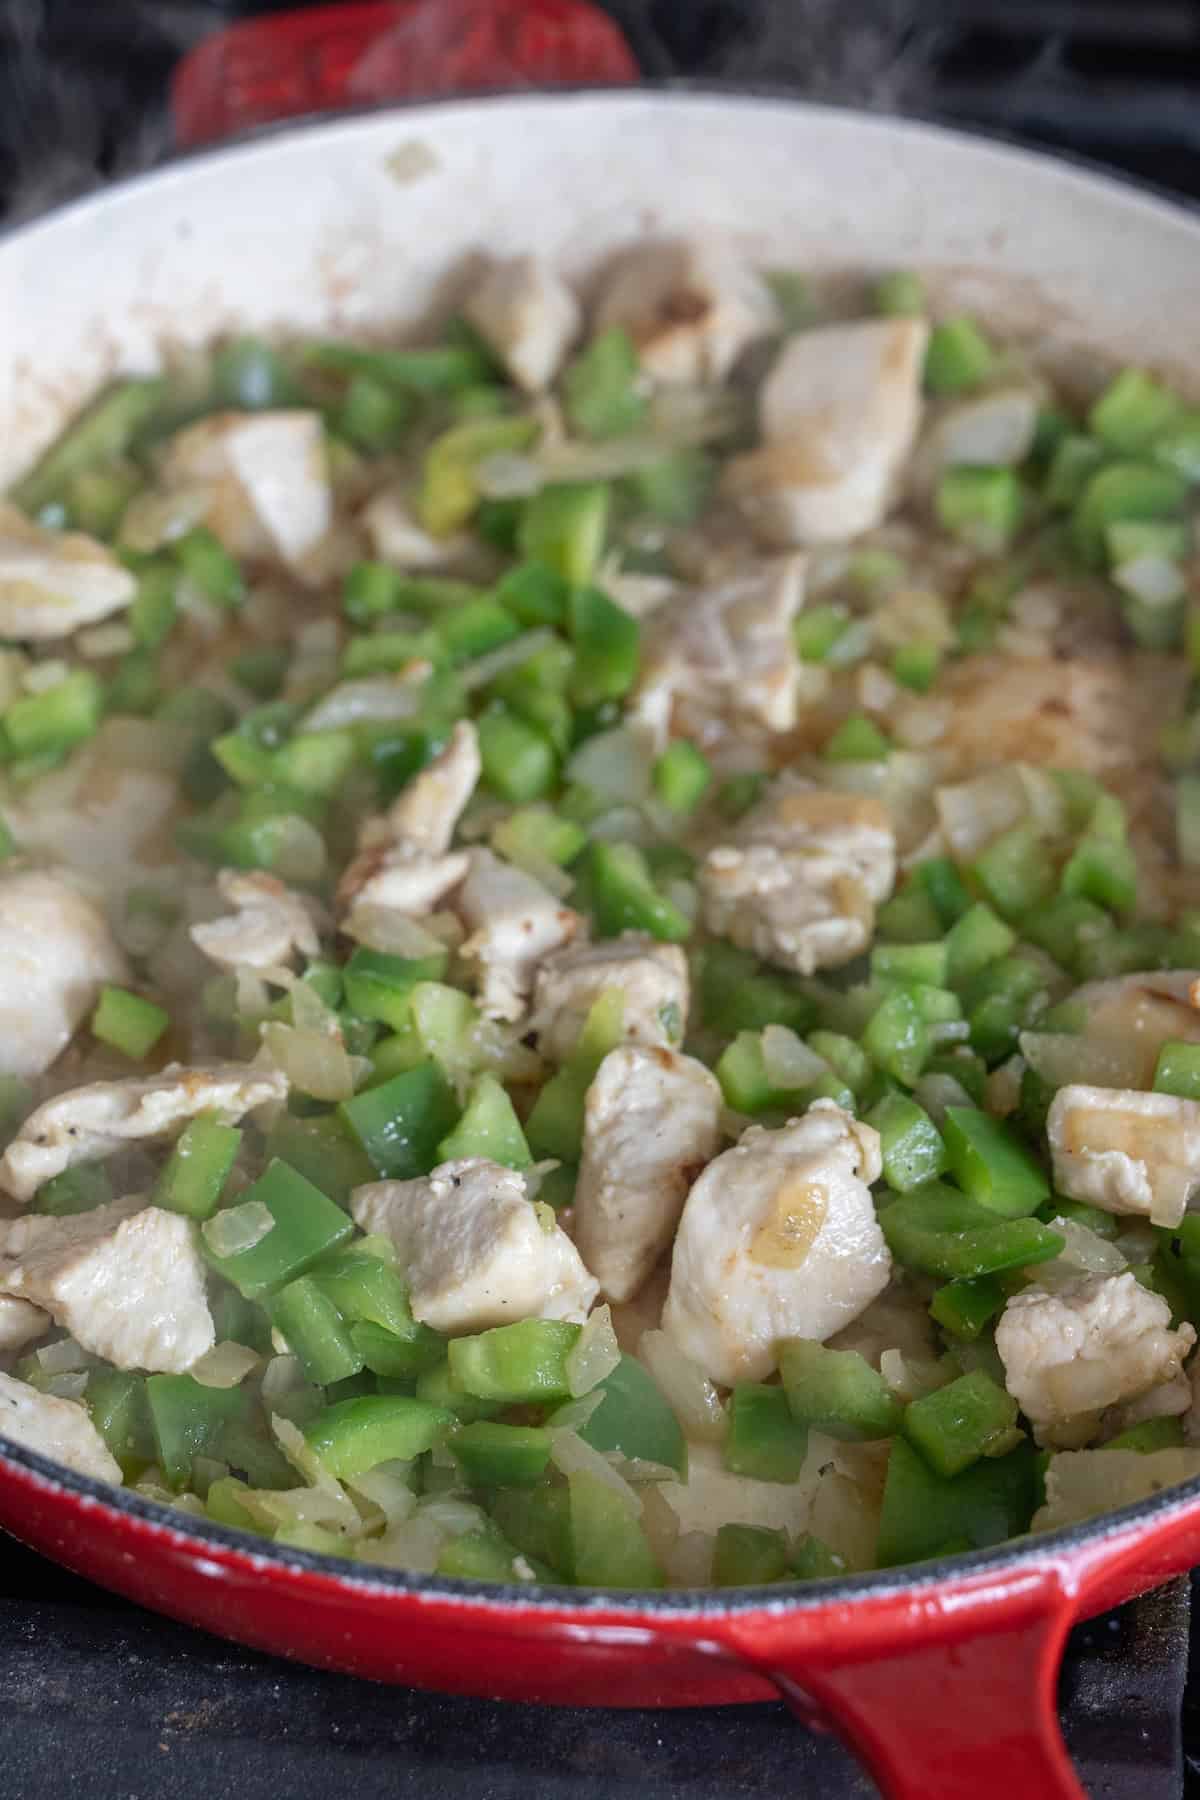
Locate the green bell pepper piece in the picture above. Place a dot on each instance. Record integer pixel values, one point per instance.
(352, 1436)
(836, 1391)
(764, 1440)
(521, 1363)
(955, 1425)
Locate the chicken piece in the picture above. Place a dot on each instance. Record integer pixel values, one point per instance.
(111, 824)
(474, 1250)
(514, 922)
(21, 1322)
(1125, 1151)
(724, 658)
(652, 1121)
(396, 537)
(1093, 1344)
(528, 315)
(126, 1280)
(56, 952)
(1169, 1400)
(404, 861)
(270, 926)
(87, 1123)
(838, 416)
(690, 308)
(652, 977)
(52, 582)
(60, 1429)
(801, 877)
(778, 1239)
(268, 481)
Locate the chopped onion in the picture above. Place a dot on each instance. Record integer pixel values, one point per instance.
(1154, 580)
(281, 1377)
(237, 1228)
(292, 1442)
(1002, 1089)
(641, 1470)
(101, 641)
(574, 1415)
(660, 1522)
(595, 1353)
(937, 1093)
(1061, 1058)
(688, 1391)
(688, 1563)
(911, 1377)
(614, 765)
(206, 1470)
(314, 1063)
(153, 519)
(299, 850)
(381, 928)
(508, 476)
(40, 677)
(1084, 1253)
(374, 699)
(1081, 1483)
(225, 1365)
(389, 1487)
(70, 1386)
(547, 1218)
(787, 1060)
(974, 812)
(508, 656)
(413, 1545)
(569, 1453)
(65, 1357)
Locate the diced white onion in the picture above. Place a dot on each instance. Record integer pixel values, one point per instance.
(373, 699)
(1084, 1253)
(225, 1365)
(1061, 1058)
(688, 1391)
(974, 812)
(787, 1060)
(314, 1063)
(389, 1487)
(382, 928)
(282, 1376)
(572, 1456)
(508, 476)
(594, 1354)
(206, 1470)
(910, 1377)
(69, 1386)
(1002, 1089)
(63, 1358)
(507, 656)
(614, 765)
(238, 1228)
(1154, 580)
(41, 677)
(937, 1093)
(688, 1563)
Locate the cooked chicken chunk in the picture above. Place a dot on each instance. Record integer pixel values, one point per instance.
(404, 860)
(87, 1123)
(724, 659)
(60, 1429)
(690, 308)
(1125, 1151)
(52, 582)
(396, 536)
(652, 1120)
(21, 1322)
(474, 1251)
(269, 927)
(1067, 1355)
(528, 315)
(778, 1239)
(269, 492)
(514, 922)
(652, 977)
(838, 415)
(126, 1280)
(56, 952)
(800, 878)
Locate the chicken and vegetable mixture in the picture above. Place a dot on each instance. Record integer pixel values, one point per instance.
(600, 935)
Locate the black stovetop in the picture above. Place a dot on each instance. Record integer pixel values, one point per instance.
(103, 1701)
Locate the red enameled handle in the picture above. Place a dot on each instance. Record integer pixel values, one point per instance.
(969, 1707)
(328, 57)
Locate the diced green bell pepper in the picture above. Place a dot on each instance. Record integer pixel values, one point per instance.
(1132, 412)
(836, 1391)
(764, 1440)
(77, 1190)
(195, 1173)
(488, 1127)
(634, 1418)
(897, 1038)
(624, 898)
(521, 1363)
(401, 1123)
(116, 1401)
(910, 1143)
(555, 1125)
(307, 1225)
(749, 1556)
(609, 1547)
(1177, 1070)
(603, 395)
(958, 357)
(991, 1164)
(937, 1231)
(352, 1436)
(924, 1512)
(315, 1332)
(564, 527)
(494, 1455)
(606, 640)
(957, 1424)
(188, 1420)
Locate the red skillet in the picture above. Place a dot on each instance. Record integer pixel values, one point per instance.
(943, 1678)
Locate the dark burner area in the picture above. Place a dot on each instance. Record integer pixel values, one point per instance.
(105, 1702)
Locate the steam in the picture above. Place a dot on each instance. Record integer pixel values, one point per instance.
(83, 88)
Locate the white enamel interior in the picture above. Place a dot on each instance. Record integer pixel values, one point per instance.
(331, 226)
